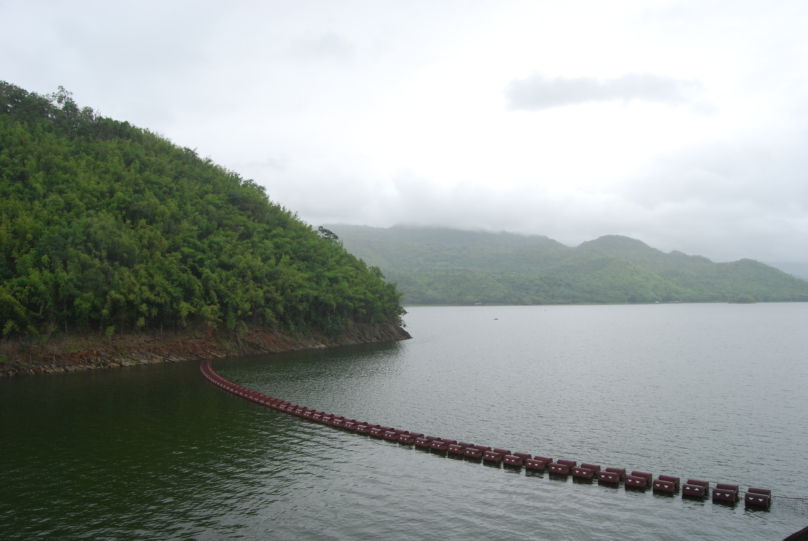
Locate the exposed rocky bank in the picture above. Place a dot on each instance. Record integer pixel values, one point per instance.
(91, 351)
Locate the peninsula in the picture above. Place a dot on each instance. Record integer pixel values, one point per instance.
(118, 247)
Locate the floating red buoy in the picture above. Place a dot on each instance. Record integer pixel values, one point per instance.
(491, 456)
(424, 441)
(695, 488)
(586, 471)
(725, 493)
(495, 455)
(537, 463)
(758, 497)
(513, 460)
(475, 452)
(639, 479)
(441, 444)
(458, 448)
(392, 435)
(562, 467)
(408, 438)
(611, 476)
(667, 484)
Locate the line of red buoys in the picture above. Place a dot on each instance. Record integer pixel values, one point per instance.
(637, 480)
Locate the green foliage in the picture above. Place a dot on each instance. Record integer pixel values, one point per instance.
(327, 234)
(442, 266)
(105, 225)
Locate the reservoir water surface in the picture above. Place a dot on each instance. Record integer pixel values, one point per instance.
(709, 391)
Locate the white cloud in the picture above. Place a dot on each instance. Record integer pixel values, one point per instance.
(388, 112)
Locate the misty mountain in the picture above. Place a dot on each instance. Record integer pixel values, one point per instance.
(447, 266)
(800, 270)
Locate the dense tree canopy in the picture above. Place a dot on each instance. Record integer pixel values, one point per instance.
(107, 226)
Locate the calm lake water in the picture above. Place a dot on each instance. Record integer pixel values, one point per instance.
(709, 391)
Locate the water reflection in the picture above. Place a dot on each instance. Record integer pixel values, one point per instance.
(157, 452)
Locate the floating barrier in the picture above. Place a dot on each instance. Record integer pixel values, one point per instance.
(393, 435)
(666, 484)
(562, 467)
(538, 463)
(495, 455)
(458, 449)
(611, 476)
(475, 452)
(441, 444)
(424, 441)
(586, 471)
(408, 438)
(639, 479)
(516, 460)
(695, 488)
(760, 498)
(726, 493)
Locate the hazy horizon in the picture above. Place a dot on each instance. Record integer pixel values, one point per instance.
(799, 267)
(679, 124)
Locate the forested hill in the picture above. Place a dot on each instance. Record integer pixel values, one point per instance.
(444, 266)
(106, 226)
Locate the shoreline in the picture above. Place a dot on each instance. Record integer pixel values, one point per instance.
(94, 351)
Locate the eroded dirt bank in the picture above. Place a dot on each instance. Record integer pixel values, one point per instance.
(91, 351)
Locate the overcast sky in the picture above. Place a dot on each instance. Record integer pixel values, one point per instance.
(682, 124)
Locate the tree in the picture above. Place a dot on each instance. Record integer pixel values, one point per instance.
(327, 234)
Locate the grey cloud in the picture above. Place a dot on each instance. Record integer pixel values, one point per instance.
(328, 45)
(772, 175)
(263, 168)
(538, 92)
(210, 77)
(698, 224)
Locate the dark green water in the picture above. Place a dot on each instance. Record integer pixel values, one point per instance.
(716, 392)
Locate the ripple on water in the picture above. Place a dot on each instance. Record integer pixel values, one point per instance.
(157, 452)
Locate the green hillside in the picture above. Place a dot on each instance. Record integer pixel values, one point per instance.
(106, 226)
(406, 249)
(444, 266)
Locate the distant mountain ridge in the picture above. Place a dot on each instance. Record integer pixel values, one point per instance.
(447, 266)
(800, 270)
